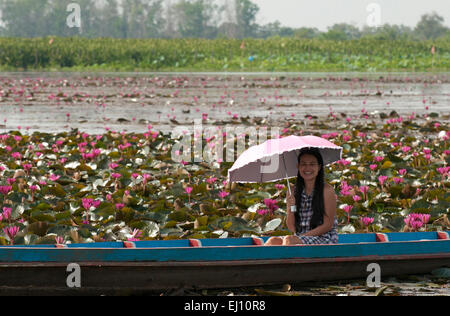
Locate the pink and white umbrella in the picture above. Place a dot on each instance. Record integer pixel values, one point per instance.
(277, 159)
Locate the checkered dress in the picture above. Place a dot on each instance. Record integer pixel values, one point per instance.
(303, 225)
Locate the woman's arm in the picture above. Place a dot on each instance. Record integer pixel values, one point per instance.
(330, 213)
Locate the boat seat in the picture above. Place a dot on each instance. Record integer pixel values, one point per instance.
(195, 243)
(129, 244)
(382, 237)
(257, 241)
(442, 235)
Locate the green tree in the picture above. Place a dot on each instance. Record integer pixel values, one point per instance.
(24, 18)
(246, 12)
(307, 32)
(141, 18)
(341, 32)
(274, 29)
(388, 32)
(430, 26)
(196, 18)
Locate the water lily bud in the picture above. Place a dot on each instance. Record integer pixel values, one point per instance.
(19, 173)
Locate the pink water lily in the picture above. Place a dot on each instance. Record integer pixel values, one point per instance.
(5, 189)
(189, 191)
(11, 232)
(54, 177)
(367, 221)
(223, 195)
(136, 235)
(382, 180)
(6, 215)
(116, 176)
(348, 209)
(271, 204)
(415, 221)
(119, 206)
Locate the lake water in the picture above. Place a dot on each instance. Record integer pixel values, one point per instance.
(93, 103)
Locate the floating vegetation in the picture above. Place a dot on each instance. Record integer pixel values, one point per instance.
(73, 187)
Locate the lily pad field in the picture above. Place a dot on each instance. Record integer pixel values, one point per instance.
(92, 157)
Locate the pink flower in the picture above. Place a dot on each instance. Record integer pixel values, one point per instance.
(6, 213)
(263, 212)
(382, 179)
(367, 221)
(356, 198)
(364, 189)
(378, 158)
(59, 240)
(398, 180)
(5, 189)
(223, 194)
(348, 208)
(16, 155)
(211, 180)
(188, 190)
(54, 177)
(271, 204)
(406, 149)
(343, 162)
(116, 175)
(11, 232)
(136, 235)
(346, 138)
(373, 167)
(443, 170)
(119, 206)
(402, 172)
(416, 221)
(279, 187)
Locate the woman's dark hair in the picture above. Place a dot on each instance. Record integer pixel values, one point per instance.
(318, 204)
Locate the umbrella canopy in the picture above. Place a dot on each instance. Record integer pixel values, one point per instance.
(276, 159)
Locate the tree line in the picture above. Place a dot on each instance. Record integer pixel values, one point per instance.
(208, 19)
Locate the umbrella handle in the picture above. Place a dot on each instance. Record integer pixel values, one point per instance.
(293, 207)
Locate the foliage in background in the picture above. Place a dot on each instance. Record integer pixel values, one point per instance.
(274, 54)
(184, 19)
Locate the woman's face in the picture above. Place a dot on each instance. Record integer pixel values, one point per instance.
(308, 167)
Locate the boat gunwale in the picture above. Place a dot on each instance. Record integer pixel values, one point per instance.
(78, 247)
(232, 253)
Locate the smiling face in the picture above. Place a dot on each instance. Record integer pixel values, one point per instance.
(308, 167)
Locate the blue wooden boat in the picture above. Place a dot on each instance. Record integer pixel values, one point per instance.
(220, 263)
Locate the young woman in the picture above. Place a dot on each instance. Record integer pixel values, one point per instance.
(315, 220)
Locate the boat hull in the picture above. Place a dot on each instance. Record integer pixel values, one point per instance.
(117, 268)
(158, 276)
